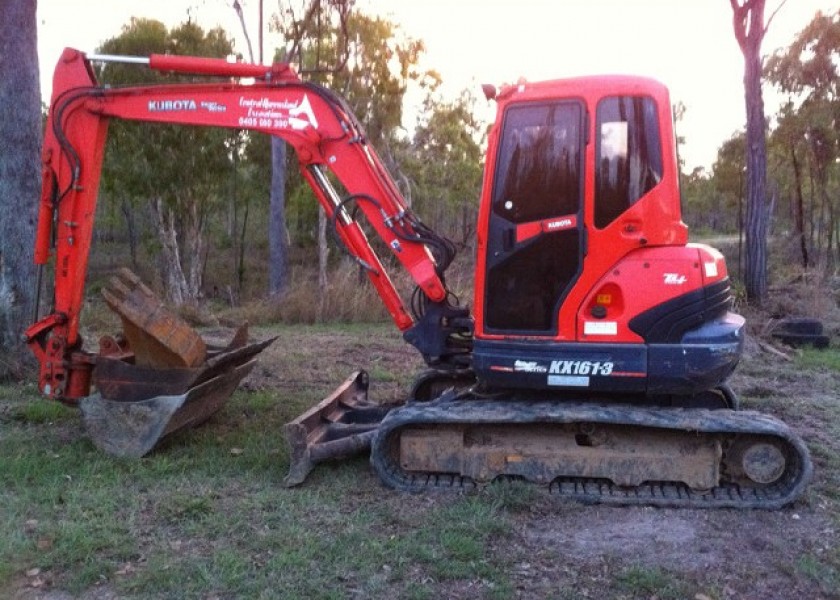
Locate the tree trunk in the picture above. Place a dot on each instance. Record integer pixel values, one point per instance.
(171, 273)
(812, 212)
(799, 209)
(323, 257)
(748, 23)
(830, 229)
(131, 225)
(20, 177)
(183, 249)
(196, 251)
(740, 230)
(240, 268)
(232, 217)
(278, 246)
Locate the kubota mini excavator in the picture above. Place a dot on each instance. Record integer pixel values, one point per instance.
(596, 358)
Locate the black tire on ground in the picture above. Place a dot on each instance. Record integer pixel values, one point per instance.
(803, 339)
(800, 325)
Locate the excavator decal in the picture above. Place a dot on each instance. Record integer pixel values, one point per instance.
(264, 112)
(304, 110)
(171, 105)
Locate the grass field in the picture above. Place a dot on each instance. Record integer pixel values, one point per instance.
(205, 516)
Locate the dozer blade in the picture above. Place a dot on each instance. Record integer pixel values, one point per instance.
(341, 425)
(134, 428)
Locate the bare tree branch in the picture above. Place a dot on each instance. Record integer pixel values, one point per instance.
(740, 13)
(312, 22)
(238, 8)
(300, 28)
(773, 14)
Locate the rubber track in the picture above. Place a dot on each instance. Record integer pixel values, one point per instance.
(727, 495)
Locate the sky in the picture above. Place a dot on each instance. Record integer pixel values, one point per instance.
(687, 44)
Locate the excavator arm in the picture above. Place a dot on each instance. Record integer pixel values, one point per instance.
(329, 142)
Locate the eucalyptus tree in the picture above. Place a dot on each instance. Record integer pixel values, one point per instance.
(304, 24)
(20, 142)
(730, 180)
(789, 159)
(369, 62)
(178, 173)
(443, 164)
(749, 27)
(809, 126)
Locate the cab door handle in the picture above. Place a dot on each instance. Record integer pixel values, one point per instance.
(508, 239)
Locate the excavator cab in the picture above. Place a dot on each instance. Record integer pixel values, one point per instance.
(584, 260)
(535, 245)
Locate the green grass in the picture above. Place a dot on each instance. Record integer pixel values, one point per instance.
(811, 358)
(514, 495)
(64, 514)
(40, 411)
(282, 545)
(647, 582)
(826, 573)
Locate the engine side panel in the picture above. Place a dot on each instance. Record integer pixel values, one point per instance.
(702, 358)
(562, 366)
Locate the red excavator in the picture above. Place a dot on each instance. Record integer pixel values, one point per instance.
(596, 357)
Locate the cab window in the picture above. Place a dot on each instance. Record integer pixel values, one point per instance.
(538, 172)
(628, 155)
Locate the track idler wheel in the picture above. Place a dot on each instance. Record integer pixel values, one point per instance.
(757, 461)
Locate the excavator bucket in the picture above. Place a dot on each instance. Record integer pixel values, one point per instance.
(122, 381)
(159, 377)
(132, 429)
(341, 425)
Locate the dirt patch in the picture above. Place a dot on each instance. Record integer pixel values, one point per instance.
(31, 589)
(750, 550)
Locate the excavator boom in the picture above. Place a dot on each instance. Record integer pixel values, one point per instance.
(317, 124)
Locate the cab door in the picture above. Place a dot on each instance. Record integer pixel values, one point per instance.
(535, 241)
